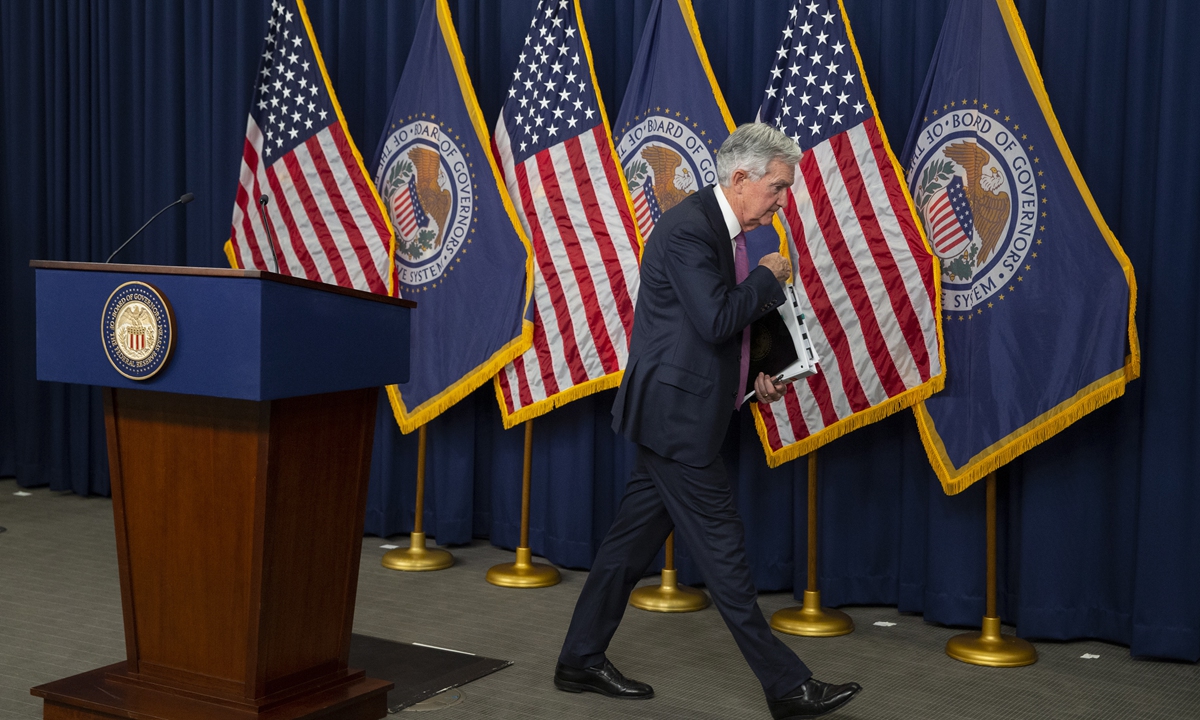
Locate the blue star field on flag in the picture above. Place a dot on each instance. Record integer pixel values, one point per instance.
(551, 92)
(290, 104)
(814, 91)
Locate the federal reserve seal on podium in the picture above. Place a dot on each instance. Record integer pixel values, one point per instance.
(138, 330)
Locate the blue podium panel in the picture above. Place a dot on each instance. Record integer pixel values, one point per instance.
(238, 334)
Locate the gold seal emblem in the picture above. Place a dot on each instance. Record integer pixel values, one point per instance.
(138, 330)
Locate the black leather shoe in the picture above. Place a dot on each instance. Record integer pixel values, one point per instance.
(815, 698)
(603, 678)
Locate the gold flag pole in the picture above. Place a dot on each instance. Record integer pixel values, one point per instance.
(416, 557)
(812, 620)
(669, 595)
(523, 573)
(989, 647)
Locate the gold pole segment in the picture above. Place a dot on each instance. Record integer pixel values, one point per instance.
(810, 619)
(989, 647)
(669, 596)
(416, 557)
(523, 573)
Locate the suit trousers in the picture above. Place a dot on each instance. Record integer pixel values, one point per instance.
(697, 502)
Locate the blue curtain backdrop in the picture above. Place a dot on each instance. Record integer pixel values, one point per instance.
(112, 109)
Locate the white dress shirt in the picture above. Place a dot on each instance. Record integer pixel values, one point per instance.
(731, 220)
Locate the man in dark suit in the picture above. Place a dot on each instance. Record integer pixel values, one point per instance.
(686, 375)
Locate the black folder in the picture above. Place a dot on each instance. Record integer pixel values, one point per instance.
(772, 349)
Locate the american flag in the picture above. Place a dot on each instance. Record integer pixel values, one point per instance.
(868, 276)
(326, 218)
(553, 143)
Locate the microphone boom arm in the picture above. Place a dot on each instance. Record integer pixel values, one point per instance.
(183, 200)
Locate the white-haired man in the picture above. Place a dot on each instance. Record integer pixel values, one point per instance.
(686, 375)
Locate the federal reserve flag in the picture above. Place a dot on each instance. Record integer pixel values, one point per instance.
(305, 206)
(1037, 294)
(460, 252)
(553, 143)
(869, 280)
(672, 121)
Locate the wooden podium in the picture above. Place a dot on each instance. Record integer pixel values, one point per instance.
(239, 484)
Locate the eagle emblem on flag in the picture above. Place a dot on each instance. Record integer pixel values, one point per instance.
(664, 160)
(969, 168)
(972, 201)
(427, 188)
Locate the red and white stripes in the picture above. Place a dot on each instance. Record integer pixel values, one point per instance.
(870, 289)
(641, 207)
(322, 210)
(404, 213)
(945, 231)
(573, 206)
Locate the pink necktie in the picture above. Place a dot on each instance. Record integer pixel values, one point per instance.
(741, 268)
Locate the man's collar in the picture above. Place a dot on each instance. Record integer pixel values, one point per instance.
(731, 220)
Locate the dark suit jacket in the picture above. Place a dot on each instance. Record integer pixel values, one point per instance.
(677, 395)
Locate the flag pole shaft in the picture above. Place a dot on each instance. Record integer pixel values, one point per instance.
(810, 619)
(669, 595)
(524, 573)
(419, 517)
(526, 471)
(812, 521)
(418, 556)
(991, 544)
(990, 647)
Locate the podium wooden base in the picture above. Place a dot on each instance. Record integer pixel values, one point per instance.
(112, 692)
(238, 543)
(239, 487)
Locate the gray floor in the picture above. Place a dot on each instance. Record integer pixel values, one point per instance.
(60, 614)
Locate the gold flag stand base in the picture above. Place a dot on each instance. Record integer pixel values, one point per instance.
(669, 596)
(990, 648)
(812, 620)
(523, 573)
(416, 557)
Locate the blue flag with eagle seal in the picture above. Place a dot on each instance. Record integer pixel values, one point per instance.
(1037, 294)
(673, 119)
(460, 251)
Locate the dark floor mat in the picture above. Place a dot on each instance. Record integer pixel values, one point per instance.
(418, 672)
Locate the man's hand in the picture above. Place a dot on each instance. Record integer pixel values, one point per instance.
(766, 389)
(777, 265)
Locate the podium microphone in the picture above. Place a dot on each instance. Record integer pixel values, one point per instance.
(184, 199)
(262, 215)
